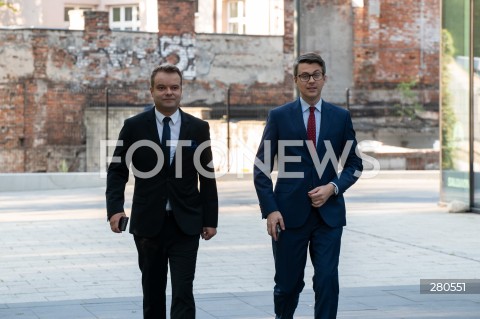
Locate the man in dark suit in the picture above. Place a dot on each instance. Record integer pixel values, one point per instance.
(306, 210)
(169, 152)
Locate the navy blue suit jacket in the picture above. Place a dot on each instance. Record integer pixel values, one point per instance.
(284, 126)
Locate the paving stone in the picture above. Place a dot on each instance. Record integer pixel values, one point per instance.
(59, 258)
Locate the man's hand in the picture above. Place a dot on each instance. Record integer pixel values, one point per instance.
(273, 219)
(319, 195)
(114, 221)
(208, 232)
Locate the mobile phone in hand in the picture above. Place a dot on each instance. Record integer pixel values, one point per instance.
(279, 230)
(122, 223)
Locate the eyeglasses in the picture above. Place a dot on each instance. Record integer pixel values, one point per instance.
(305, 77)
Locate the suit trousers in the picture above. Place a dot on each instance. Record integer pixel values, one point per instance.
(290, 254)
(179, 250)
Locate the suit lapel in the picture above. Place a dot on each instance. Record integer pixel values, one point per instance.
(152, 126)
(299, 124)
(184, 127)
(297, 116)
(184, 133)
(325, 122)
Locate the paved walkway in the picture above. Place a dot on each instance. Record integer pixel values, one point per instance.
(58, 258)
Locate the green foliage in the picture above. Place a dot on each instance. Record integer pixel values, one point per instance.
(448, 49)
(455, 19)
(8, 5)
(408, 106)
(448, 118)
(63, 167)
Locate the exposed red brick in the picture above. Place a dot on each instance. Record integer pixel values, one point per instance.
(390, 45)
(176, 17)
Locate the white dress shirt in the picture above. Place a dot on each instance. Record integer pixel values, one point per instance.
(175, 124)
(318, 117)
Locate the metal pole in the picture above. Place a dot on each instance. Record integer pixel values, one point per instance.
(471, 113)
(297, 37)
(106, 120)
(297, 28)
(228, 128)
(22, 139)
(347, 93)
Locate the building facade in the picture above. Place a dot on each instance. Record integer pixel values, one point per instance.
(135, 15)
(255, 17)
(460, 103)
(51, 78)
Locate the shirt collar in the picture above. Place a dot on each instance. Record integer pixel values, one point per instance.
(306, 106)
(174, 117)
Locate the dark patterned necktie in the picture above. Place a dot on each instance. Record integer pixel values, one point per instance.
(165, 138)
(311, 127)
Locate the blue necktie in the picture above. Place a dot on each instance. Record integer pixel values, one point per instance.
(165, 138)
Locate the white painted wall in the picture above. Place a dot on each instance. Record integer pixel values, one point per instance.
(50, 13)
(327, 30)
(262, 17)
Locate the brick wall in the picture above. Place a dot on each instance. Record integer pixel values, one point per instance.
(395, 42)
(12, 126)
(176, 17)
(372, 49)
(51, 77)
(409, 160)
(289, 43)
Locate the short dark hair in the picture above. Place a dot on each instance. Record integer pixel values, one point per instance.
(167, 68)
(310, 58)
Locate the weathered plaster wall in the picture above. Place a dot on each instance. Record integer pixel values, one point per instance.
(373, 49)
(49, 78)
(326, 28)
(97, 139)
(245, 63)
(395, 42)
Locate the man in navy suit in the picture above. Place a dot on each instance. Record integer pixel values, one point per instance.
(306, 210)
(175, 195)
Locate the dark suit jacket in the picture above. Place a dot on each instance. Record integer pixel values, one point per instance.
(193, 207)
(290, 195)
